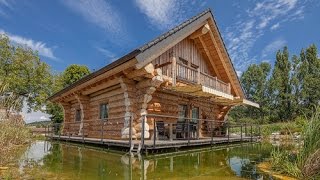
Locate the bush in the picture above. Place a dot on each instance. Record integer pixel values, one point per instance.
(304, 164)
(12, 134)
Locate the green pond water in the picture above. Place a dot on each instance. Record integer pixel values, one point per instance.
(54, 160)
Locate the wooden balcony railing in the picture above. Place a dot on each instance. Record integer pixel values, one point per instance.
(182, 72)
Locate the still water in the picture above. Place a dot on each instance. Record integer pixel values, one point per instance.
(54, 160)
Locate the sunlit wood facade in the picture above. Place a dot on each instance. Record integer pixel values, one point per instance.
(185, 73)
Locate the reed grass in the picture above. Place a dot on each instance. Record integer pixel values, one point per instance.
(305, 162)
(12, 136)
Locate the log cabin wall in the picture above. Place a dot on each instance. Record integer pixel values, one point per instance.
(187, 50)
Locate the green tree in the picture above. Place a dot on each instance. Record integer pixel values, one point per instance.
(70, 75)
(280, 85)
(73, 73)
(309, 74)
(26, 77)
(255, 81)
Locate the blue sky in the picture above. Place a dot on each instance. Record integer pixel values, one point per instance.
(97, 32)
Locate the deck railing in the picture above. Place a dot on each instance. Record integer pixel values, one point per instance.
(182, 72)
(162, 130)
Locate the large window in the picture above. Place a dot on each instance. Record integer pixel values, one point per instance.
(104, 111)
(182, 113)
(195, 114)
(78, 115)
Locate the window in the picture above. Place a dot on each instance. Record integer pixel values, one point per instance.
(104, 111)
(195, 114)
(78, 115)
(182, 112)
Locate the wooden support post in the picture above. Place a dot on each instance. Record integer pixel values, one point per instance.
(174, 71)
(229, 89)
(154, 133)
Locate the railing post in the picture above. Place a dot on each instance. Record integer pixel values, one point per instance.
(69, 130)
(198, 76)
(83, 133)
(154, 133)
(188, 124)
(245, 130)
(228, 128)
(211, 132)
(241, 131)
(58, 128)
(52, 131)
(215, 82)
(102, 124)
(142, 131)
(251, 132)
(130, 132)
(174, 71)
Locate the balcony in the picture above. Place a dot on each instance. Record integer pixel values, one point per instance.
(186, 78)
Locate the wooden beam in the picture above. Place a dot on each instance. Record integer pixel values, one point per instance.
(209, 56)
(148, 69)
(217, 48)
(201, 31)
(101, 86)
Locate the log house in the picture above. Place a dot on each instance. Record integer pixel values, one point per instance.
(185, 72)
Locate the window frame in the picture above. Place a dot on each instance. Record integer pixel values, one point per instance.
(78, 115)
(106, 104)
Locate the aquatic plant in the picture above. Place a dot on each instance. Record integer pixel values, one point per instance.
(305, 162)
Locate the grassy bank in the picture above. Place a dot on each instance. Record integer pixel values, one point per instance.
(304, 162)
(12, 136)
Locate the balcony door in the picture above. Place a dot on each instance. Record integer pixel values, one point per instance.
(183, 110)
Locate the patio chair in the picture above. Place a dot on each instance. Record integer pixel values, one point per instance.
(180, 130)
(161, 131)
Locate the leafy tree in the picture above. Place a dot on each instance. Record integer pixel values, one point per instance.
(27, 78)
(309, 74)
(280, 84)
(73, 73)
(255, 81)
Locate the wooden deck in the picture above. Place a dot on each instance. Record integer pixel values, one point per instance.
(158, 144)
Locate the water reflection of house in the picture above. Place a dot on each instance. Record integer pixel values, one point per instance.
(185, 73)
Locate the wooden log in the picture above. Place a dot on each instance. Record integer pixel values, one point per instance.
(146, 71)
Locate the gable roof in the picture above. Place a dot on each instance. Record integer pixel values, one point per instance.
(146, 53)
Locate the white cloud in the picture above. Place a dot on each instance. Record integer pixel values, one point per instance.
(108, 54)
(164, 14)
(99, 12)
(39, 46)
(273, 47)
(275, 26)
(267, 14)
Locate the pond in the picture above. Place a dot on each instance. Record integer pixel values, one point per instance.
(44, 159)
